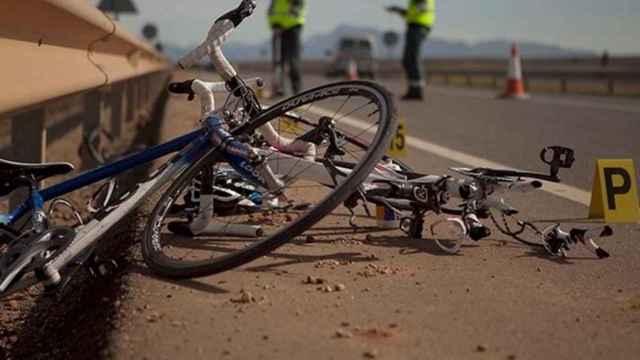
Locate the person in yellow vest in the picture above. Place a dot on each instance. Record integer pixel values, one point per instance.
(420, 17)
(286, 19)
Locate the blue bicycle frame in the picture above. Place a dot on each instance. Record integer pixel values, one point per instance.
(192, 146)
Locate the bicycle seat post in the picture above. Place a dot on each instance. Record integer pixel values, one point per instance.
(39, 217)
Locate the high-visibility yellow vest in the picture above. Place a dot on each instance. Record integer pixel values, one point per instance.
(421, 16)
(280, 15)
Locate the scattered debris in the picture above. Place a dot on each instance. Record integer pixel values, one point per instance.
(373, 333)
(343, 334)
(312, 280)
(371, 354)
(332, 264)
(339, 287)
(372, 270)
(346, 242)
(245, 298)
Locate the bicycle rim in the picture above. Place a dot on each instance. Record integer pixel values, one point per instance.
(242, 230)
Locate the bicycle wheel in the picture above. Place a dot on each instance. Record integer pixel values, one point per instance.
(255, 222)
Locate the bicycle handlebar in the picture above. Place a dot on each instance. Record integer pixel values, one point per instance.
(218, 33)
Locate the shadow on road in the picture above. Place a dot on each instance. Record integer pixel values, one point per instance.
(186, 283)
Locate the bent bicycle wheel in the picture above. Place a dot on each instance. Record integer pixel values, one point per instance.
(211, 219)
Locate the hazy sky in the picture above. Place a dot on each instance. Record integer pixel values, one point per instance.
(587, 24)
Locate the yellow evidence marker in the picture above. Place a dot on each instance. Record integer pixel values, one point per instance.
(398, 146)
(289, 126)
(615, 194)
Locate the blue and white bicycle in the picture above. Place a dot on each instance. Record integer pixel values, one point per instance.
(295, 179)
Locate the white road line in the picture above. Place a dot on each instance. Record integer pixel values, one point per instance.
(564, 191)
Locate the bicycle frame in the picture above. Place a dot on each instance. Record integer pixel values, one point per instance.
(191, 147)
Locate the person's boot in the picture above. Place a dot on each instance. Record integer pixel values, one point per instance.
(414, 93)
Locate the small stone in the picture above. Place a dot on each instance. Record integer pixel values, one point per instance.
(538, 269)
(481, 348)
(339, 287)
(345, 324)
(245, 298)
(309, 239)
(320, 281)
(13, 305)
(511, 357)
(371, 354)
(343, 334)
(13, 339)
(265, 337)
(327, 289)
(393, 325)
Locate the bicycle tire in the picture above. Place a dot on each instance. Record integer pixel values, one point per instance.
(152, 248)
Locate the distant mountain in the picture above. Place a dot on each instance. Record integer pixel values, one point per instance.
(316, 46)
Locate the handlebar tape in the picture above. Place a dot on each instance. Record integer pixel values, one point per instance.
(243, 11)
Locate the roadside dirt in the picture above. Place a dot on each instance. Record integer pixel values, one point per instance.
(377, 294)
(365, 294)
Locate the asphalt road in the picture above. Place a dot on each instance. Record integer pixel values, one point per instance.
(403, 298)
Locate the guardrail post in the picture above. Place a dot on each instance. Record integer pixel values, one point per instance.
(611, 86)
(132, 101)
(96, 109)
(563, 85)
(118, 108)
(28, 142)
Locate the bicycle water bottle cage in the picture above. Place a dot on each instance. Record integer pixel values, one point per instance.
(561, 157)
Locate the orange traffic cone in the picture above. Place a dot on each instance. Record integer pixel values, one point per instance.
(515, 84)
(352, 70)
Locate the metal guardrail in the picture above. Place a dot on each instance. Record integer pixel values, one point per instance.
(66, 64)
(564, 77)
(564, 71)
(53, 48)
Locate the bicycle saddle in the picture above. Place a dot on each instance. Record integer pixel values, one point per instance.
(11, 170)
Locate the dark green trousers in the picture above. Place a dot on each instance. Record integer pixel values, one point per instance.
(414, 38)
